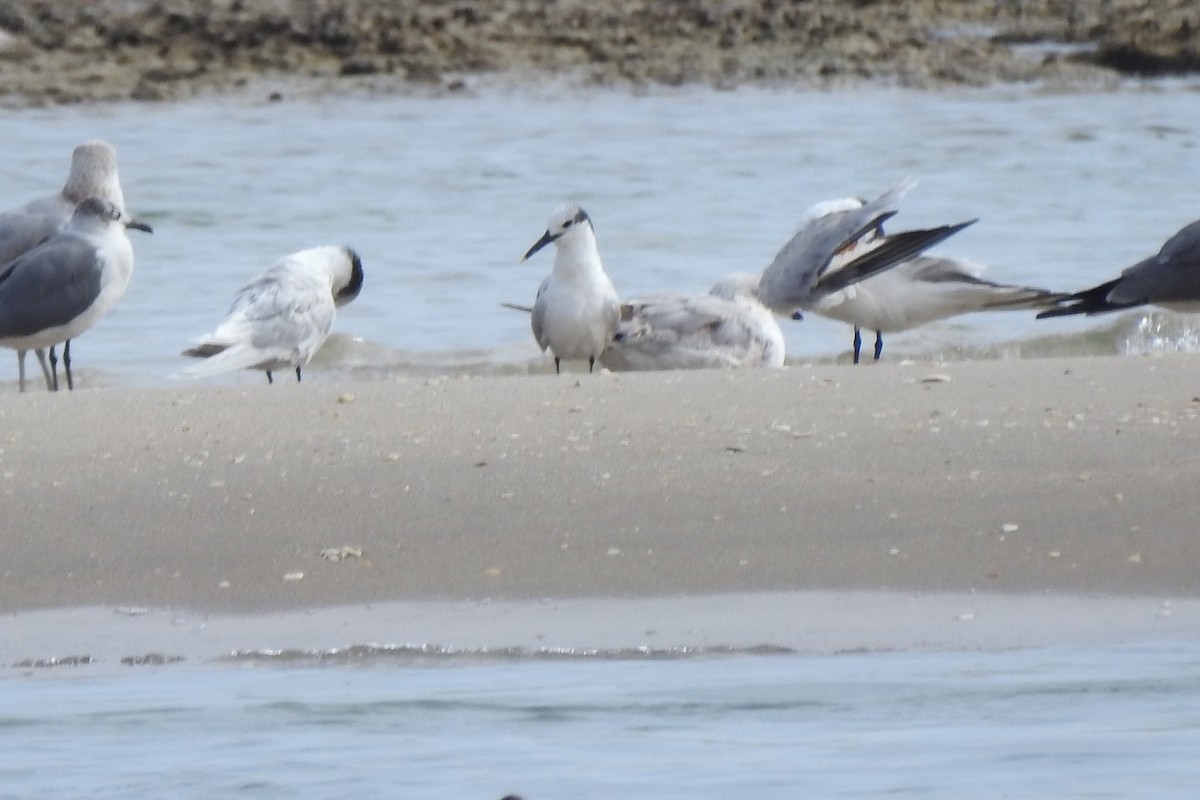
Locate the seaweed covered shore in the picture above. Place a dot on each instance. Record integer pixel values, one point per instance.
(103, 50)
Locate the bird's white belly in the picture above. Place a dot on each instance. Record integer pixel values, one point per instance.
(576, 327)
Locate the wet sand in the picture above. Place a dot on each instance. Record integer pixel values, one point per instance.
(1056, 476)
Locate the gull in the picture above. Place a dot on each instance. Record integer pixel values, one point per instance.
(915, 292)
(281, 318)
(576, 310)
(1170, 279)
(840, 244)
(60, 288)
(728, 327)
(93, 174)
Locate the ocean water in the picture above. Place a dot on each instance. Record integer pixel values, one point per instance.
(1052, 722)
(442, 196)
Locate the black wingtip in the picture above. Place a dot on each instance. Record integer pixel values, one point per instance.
(896, 248)
(1089, 301)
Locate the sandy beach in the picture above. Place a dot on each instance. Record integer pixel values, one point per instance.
(1035, 477)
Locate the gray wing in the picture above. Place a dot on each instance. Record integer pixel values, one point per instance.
(20, 232)
(282, 311)
(964, 276)
(48, 286)
(788, 281)
(537, 317)
(1171, 276)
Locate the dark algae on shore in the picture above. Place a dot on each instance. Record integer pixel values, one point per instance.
(59, 52)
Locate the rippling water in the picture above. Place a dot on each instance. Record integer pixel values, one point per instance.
(442, 195)
(1062, 723)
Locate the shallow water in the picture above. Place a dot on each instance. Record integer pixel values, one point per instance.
(442, 195)
(1061, 722)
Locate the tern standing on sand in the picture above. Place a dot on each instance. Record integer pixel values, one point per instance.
(840, 247)
(577, 308)
(914, 292)
(60, 288)
(1170, 279)
(281, 318)
(93, 174)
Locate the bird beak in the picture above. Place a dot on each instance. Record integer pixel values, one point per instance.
(136, 225)
(538, 245)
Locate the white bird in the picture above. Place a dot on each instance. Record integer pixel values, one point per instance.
(93, 174)
(1170, 278)
(922, 290)
(59, 289)
(281, 317)
(839, 245)
(577, 309)
(728, 327)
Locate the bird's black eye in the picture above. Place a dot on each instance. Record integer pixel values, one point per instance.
(568, 223)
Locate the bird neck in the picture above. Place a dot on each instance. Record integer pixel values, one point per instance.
(578, 257)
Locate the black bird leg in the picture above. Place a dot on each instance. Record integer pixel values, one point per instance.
(53, 369)
(857, 343)
(67, 364)
(269, 378)
(557, 371)
(297, 374)
(591, 363)
(878, 344)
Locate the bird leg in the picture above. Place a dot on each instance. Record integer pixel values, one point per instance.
(20, 370)
(41, 357)
(269, 379)
(67, 364)
(857, 343)
(878, 344)
(53, 369)
(297, 374)
(591, 363)
(557, 371)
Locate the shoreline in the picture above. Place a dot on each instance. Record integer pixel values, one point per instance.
(812, 623)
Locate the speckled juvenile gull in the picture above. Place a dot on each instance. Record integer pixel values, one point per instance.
(1170, 278)
(728, 327)
(281, 317)
(60, 288)
(839, 245)
(93, 174)
(577, 309)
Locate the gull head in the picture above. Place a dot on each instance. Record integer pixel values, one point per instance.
(94, 174)
(566, 224)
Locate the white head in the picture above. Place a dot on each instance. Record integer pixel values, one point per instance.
(94, 174)
(340, 266)
(348, 277)
(567, 226)
(736, 285)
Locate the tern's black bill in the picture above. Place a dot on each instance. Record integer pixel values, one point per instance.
(539, 244)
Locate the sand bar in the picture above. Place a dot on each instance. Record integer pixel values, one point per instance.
(1068, 477)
